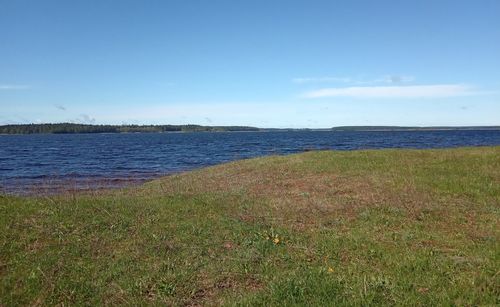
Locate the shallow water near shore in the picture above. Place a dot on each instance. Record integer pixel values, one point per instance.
(51, 162)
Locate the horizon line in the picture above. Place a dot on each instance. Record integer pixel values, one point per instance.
(257, 127)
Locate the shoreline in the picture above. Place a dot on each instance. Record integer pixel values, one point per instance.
(61, 185)
(54, 185)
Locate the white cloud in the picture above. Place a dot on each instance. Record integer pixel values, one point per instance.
(13, 87)
(412, 91)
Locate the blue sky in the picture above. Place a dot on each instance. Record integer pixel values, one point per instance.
(260, 63)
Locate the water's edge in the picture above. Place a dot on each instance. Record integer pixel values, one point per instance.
(34, 163)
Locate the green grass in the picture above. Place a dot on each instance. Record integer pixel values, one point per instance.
(385, 227)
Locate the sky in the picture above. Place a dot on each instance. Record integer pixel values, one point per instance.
(263, 63)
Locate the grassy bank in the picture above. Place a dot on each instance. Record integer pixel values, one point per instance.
(404, 227)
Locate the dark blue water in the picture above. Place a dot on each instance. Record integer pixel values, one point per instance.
(35, 161)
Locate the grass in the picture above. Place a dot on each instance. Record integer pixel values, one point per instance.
(384, 227)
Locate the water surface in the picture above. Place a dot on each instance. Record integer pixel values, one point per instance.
(49, 161)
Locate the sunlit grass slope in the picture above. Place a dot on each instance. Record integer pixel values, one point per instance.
(403, 227)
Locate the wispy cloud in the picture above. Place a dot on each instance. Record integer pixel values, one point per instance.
(391, 79)
(87, 119)
(83, 119)
(6, 87)
(60, 107)
(398, 79)
(411, 91)
(321, 80)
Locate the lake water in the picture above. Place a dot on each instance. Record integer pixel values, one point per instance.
(31, 163)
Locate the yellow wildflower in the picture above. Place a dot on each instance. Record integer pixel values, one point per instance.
(330, 269)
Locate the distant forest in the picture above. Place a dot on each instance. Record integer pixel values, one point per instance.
(82, 128)
(406, 128)
(66, 128)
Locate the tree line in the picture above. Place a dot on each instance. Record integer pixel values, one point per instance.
(64, 128)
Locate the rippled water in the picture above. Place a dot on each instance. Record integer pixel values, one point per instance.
(31, 162)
